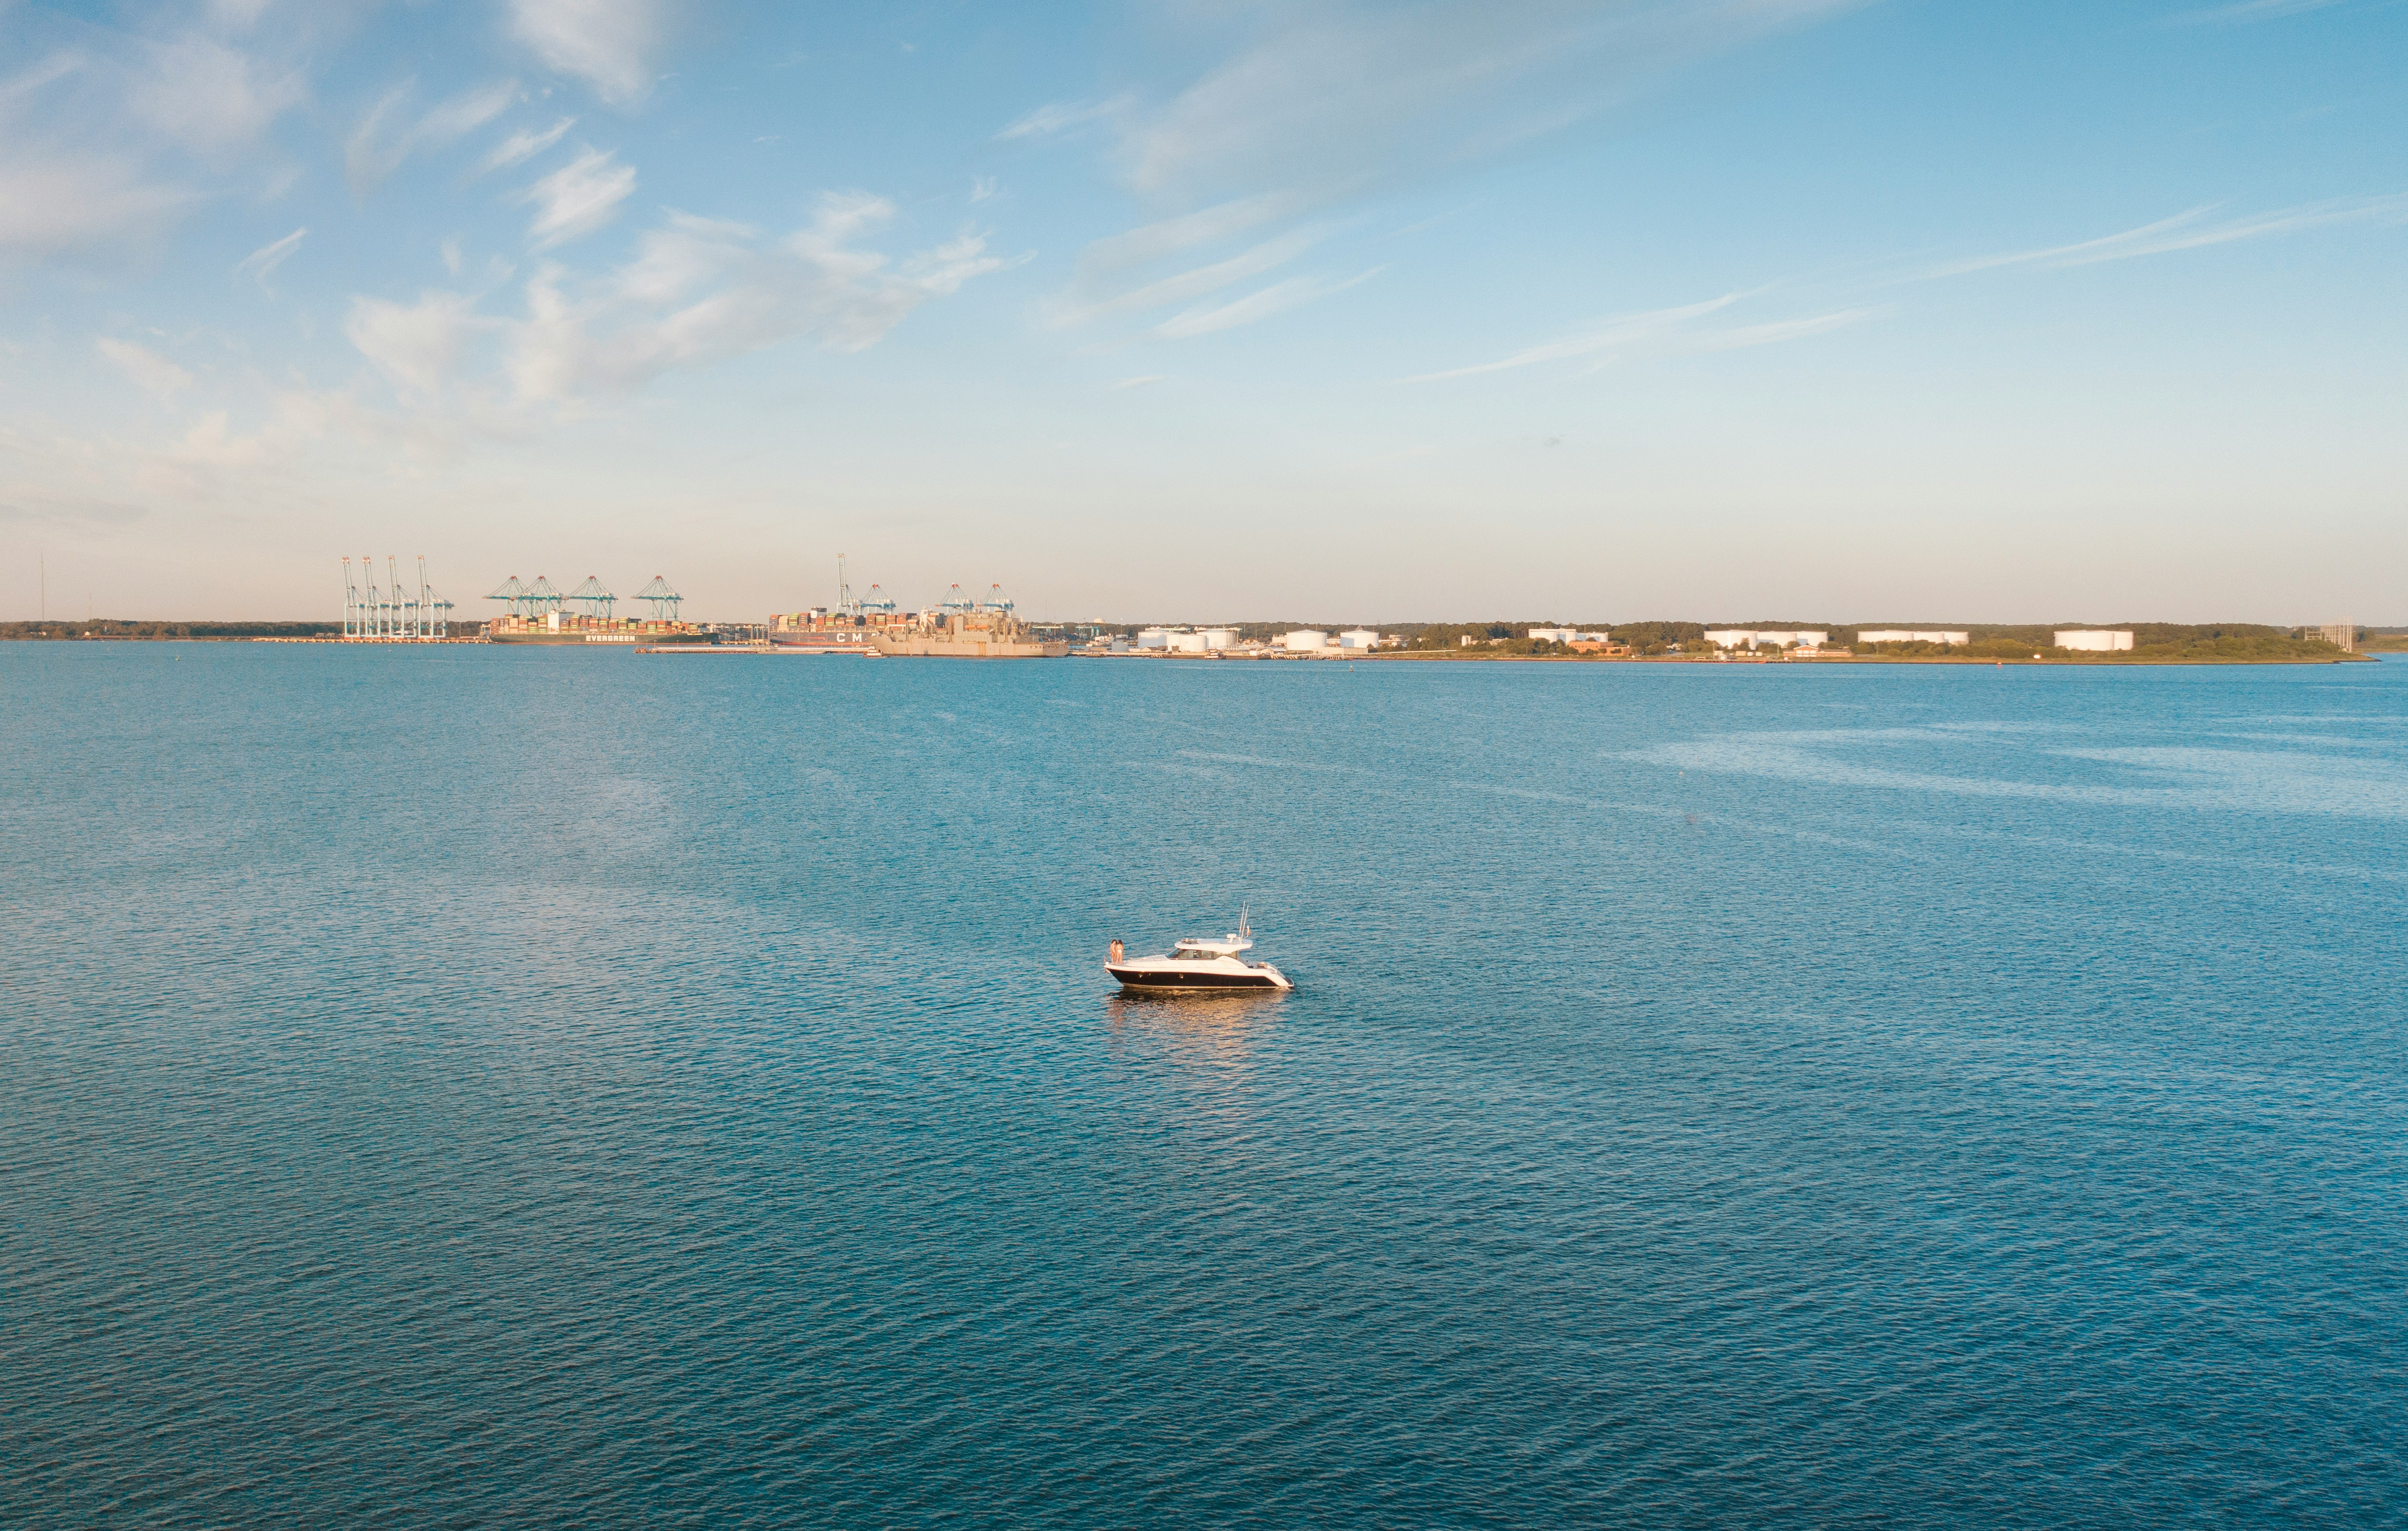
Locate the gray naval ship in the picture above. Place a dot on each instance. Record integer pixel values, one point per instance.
(963, 629)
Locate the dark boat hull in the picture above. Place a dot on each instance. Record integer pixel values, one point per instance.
(1197, 983)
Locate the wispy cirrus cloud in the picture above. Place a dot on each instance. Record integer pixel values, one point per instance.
(1680, 330)
(612, 45)
(578, 198)
(1334, 97)
(1254, 307)
(109, 140)
(1057, 118)
(1318, 104)
(2246, 11)
(262, 262)
(1660, 332)
(388, 135)
(152, 372)
(2191, 230)
(1190, 284)
(525, 145)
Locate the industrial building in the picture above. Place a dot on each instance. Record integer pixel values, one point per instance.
(1913, 635)
(2342, 635)
(2094, 640)
(1762, 637)
(1313, 641)
(1187, 640)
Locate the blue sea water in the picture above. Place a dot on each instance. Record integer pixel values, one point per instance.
(480, 1086)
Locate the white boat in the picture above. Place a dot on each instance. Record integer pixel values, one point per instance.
(1199, 966)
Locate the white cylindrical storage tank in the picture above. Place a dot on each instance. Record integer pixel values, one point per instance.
(1187, 642)
(1304, 640)
(1153, 638)
(1218, 638)
(2095, 640)
(1359, 638)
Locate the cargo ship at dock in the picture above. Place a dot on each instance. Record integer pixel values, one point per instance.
(973, 635)
(956, 628)
(569, 627)
(543, 614)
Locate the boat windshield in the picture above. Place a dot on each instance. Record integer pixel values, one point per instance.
(1194, 954)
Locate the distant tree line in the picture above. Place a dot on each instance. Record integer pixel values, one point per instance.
(113, 627)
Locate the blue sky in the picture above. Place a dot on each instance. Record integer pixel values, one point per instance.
(1838, 309)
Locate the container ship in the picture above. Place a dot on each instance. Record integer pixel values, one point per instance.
(957, 628)
(533, 615)
(570, 628)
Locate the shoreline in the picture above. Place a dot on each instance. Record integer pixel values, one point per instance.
(2086, 661)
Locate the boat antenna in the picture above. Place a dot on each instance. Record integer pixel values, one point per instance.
(1244, 930)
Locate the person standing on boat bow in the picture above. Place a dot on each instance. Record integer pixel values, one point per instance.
(1116, 949)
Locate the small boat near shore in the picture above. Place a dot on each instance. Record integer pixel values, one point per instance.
(1199, 966)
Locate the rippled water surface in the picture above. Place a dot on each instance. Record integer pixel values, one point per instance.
(457, 1087)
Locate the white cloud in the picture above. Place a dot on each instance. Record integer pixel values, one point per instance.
(419, 346)
(1322, 102)
(199, 92)
(50, 71)
(609, 44)
(1060, 117)
(63, 189)
(1168, 236)
(262, 262)
(152, 373)
(1147, 381)
(53, 204)
(578, 198)
(378, 148)
(1747, 336)
(237, 15)
(1334, 97)
(1094, 298)
(1658, 332)
(1278, 297)
(2190, 231)
(2255, 11)
(525, 144)
(699, 290)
